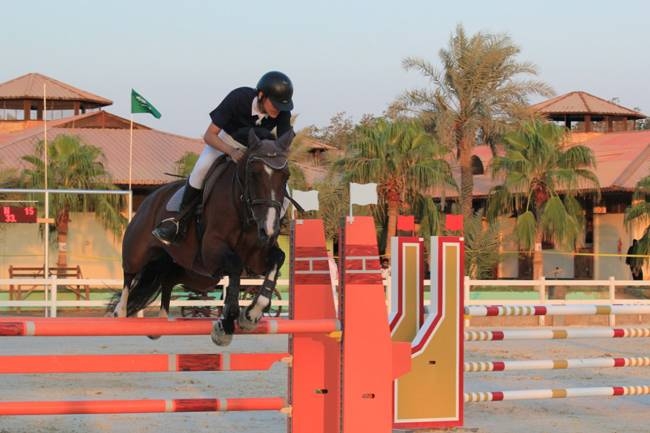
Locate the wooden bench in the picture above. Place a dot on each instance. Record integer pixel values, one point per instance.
(16, 290)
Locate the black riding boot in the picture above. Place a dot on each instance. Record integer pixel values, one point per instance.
(172, 230)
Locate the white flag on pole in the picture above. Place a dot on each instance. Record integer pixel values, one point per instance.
(363, 193)
(307, 199)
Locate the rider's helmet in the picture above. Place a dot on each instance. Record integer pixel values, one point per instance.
(278, 88)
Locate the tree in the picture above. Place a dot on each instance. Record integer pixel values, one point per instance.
(474, 97)
(402, 159)
(541, 177)
(639, 212)
(481, 247)
(185, 164)
(333, 196)
(74, 165)
(338, 133)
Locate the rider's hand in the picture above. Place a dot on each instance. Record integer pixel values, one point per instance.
(237, 155)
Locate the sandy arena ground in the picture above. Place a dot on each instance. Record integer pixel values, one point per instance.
(578, 415)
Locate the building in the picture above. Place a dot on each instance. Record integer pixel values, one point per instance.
(622, 159)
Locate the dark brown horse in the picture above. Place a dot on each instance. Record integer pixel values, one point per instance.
(237, 230)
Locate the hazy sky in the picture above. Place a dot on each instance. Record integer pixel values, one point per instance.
(185, 56)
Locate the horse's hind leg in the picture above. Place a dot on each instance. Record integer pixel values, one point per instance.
(120, 306)
(166, 297)
(262, 300)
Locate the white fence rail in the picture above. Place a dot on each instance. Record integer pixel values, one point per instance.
(51, 303)
(543, 285)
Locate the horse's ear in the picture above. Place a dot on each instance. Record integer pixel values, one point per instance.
(285, 139)
(253, 139)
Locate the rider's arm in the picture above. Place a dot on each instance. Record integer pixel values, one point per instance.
(211, 137)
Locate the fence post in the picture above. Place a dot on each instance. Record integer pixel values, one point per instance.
(466, 298)
(53, 286)
(541, 289)
(612, 298)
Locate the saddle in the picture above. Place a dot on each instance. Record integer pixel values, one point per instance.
(215, 172)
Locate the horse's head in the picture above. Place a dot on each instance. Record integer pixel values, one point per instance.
(263, 174)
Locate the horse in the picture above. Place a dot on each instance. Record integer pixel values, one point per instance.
(237, 230)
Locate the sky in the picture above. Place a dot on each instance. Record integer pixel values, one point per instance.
(342, 56)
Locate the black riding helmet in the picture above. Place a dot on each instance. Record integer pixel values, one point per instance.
(278, 88)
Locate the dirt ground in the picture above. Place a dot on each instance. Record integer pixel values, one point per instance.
(606, 415)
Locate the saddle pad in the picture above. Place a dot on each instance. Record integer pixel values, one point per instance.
(174, 202)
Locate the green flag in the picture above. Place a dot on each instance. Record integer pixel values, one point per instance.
(141, 105)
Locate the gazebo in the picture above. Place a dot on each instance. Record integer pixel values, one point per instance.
(25, 95)
(593, 114)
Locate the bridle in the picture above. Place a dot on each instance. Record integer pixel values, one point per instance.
(247, 194)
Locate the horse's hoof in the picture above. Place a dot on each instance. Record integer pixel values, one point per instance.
(219, 335)
(245, 323)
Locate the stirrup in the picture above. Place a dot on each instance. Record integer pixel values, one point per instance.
(163, 234)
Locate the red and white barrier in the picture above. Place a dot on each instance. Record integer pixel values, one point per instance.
(554, 310)
(554, 334)
(539, 394)
(555, 364)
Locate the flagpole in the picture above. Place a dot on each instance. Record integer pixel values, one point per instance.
(130, 150)
(46, 230)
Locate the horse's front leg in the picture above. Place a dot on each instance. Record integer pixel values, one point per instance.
(223, 329)
(262, 300)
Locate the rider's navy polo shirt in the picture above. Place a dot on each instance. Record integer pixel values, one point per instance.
(237, 111)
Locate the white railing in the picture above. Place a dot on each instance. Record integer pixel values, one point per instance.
(542, 286)
(51, 303)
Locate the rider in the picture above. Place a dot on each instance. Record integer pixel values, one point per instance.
(268, 106)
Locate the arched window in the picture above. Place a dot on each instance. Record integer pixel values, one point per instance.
(477, 165)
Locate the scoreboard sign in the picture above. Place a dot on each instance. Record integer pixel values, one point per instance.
(18, 214)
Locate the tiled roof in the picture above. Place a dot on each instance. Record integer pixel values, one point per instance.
(584, 103)
(154, 152)
(622, 159)
(313, 174)
(30, 86)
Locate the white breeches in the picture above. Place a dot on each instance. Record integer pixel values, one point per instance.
(203, 164)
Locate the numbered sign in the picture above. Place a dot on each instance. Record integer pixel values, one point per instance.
(17, 214)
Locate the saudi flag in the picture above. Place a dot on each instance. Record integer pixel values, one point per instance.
(141, 105)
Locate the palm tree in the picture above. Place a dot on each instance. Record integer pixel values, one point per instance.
(402, 159)
(74, 165)
(639, 212)
(481, 247)
(474, 96)
(333, 194)
(536, 169)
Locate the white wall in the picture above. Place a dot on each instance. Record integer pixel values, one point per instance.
(89, 245)
(609, 228)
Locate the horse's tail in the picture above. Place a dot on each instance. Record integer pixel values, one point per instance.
(146, 285)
